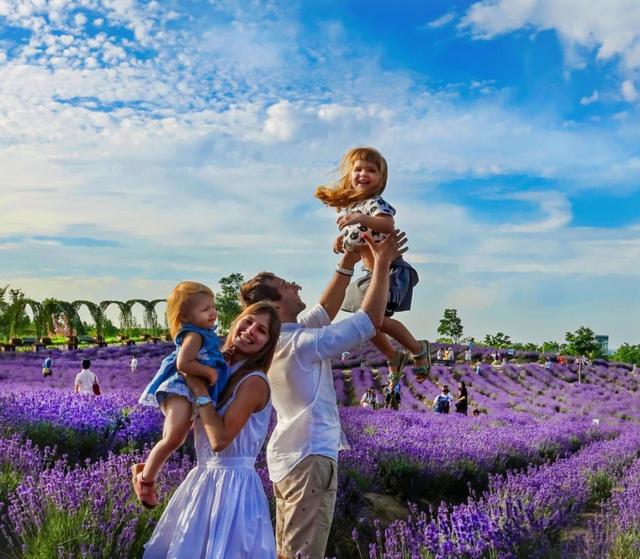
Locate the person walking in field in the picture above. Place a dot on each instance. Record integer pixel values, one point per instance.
(462, 403)
(302, 453)
(47, 365)
(133, 365)
(357, 196)
(467, 355)
(86, 380)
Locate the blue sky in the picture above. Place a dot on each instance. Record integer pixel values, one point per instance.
(143, 143)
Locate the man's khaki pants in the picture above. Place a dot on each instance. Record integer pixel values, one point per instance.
(305, 500)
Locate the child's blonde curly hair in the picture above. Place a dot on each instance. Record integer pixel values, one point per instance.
(177, 302)
(341, 193)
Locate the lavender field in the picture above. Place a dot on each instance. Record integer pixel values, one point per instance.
(549, 467)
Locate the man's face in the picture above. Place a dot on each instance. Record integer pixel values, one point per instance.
(289, 303)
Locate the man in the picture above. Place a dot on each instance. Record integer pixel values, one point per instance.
(302, 453)
(85, 379)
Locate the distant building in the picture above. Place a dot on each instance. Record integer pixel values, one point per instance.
(603, 342)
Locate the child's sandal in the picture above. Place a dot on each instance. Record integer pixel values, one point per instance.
(422, 372)
(145, 490)
(398, 362)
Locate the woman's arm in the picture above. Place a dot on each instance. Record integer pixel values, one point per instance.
(188, 363)
(252, 396)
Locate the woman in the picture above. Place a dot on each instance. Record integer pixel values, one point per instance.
(220, 509)
(462, 403)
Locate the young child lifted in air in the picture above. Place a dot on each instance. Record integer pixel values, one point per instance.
(357, 196)
(191, 314)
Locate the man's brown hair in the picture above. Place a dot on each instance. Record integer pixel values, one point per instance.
(258, 288)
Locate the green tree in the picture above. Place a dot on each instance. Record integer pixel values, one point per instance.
(582, 342)
(18, 319)
(550, 347)
(228, 300)
(4, 313)
(498, 340)
(451, 325)
(109, 330)
(627, 353)
(529, 346)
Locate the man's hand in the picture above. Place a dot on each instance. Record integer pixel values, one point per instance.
(196, 385)
(349, 219)
(389, 249)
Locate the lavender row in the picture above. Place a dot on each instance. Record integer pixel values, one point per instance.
(432, 456)
(80, 426)
(615, 532)
(520, 515)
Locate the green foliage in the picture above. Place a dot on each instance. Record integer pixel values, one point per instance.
(549, 451)
(529, 346)
(550, 347)
(628, 354)
(581, 342)
(600, 486)
(499, 340)
(402, 477)
(108, 329)
(451, 325)
(9, 480)
(77, 531)
(626, 545)
(227, 300)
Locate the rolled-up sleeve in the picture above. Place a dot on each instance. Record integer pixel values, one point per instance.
(315, 344)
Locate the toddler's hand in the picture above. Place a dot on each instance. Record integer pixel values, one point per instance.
(212, 376)
(349, 219)
(338, 247)
(228, 353)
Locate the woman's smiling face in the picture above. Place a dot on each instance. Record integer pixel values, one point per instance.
(251, 334)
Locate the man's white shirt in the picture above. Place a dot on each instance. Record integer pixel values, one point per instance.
(302, 388)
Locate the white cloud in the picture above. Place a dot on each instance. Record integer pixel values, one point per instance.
(591, 99)
(443, 20)
(554, 205)
(612, 27)
(629, 91)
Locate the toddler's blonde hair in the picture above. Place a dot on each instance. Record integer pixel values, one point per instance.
(178, 300)
(341, 194)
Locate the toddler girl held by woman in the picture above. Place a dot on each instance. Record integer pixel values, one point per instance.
(357, 196)
(191, 314)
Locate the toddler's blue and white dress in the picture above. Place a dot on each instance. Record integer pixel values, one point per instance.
(168, 381)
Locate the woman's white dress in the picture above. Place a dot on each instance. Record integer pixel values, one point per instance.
(220, 510)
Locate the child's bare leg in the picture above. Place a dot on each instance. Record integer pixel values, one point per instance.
(381, 341)
(395, 357)
(400, 333)
(177, 423)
